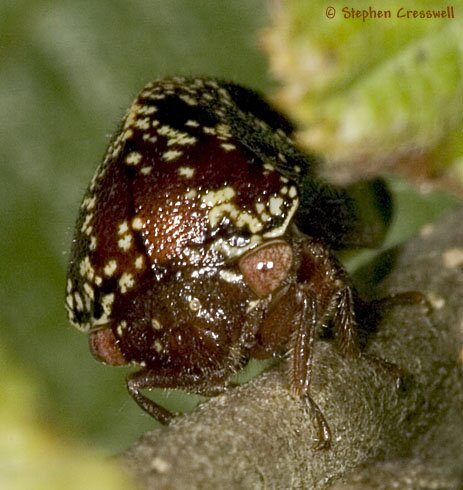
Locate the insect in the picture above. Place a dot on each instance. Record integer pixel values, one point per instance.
(206, 238)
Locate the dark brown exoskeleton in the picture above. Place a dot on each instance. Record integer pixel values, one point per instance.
(206, 238)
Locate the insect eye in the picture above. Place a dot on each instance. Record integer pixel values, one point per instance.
(265, 267)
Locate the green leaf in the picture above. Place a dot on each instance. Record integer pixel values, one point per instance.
(372, 90)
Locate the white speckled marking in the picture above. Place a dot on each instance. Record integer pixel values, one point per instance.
(89, 291)
(86, 269)
(275, 204)
(126, 282)
(292, 193)
(171, 155)
(186, 172)
(139, 262)
(143, 123)
(133, 158)
(137, 223)
(125, 243)
(191, 194)
(276, 232)
(123, 228)
(110, 268)
(212, 198)
(156, 324)
(194, 304)
(228, 146)
(92, 245)
(158, 347)
(230, 276)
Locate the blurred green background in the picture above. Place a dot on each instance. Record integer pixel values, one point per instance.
(68, 70)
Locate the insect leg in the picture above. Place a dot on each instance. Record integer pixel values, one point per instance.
(301, 365)
(146, 379)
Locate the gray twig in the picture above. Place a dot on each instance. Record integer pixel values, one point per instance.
(258, 436)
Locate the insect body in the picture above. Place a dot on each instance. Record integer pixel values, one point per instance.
(202, 241)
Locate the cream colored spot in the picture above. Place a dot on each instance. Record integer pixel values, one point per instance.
(192, 124)
(89, 290)
(186, 172)
(125, 242)
(156, 324)
(137, 223)
(223, 131)
(292, 192)
(212, 198)
(171, 155)
(252, 305)
(228, 146)
(133, 158)
(146, 170)
(127, 134)
(254, 224)
(106, 303)
(131, 115)
(120, 328)
(143, 123)
(188, 99)
(116, 150)
(139, 262)
(230, 276)
(158, 347)
(110, 268)
(70, 301)
(123, 228)
(86, 269)
(150, 138)
(126, 282)
(147, 110)
(269, 167)
(275, 206)
(176, 137)
(89, 203)
(210, 131)
(221, 210)
(79, 302)
(191, 194)
(222, 247)
(86, 224)
(194, 304)
(453, 258)
(276, 232)
(92, 243)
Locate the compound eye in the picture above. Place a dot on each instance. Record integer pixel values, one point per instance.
(104, 347)
(266, 267)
